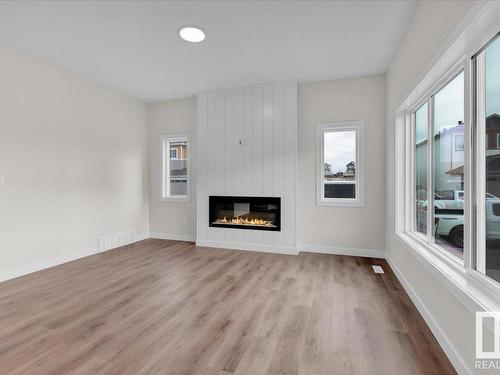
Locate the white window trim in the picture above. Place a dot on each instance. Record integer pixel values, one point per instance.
(475, 290)
(498, 140)
(164, 152)
(321, 129)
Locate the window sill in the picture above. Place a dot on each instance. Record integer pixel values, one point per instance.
(471, 288)
(175, 199)
(340, 203)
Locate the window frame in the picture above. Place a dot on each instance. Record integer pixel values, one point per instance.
(164, 167)
(358, 127)
(427, 240)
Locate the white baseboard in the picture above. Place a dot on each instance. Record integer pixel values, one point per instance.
(56, 261)
(451, 352)
(173, 236)
(248, 247)
(322, 249)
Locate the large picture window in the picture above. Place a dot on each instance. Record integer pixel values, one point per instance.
(339, 164)
(447, 165)
(175, 167)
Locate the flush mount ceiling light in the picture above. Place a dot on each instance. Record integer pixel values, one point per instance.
(192, 34)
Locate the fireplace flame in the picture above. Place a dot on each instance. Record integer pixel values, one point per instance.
(244, 221)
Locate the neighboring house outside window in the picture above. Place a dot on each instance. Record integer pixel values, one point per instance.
(175, 167)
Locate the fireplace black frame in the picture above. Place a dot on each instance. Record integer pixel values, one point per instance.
(259, 202)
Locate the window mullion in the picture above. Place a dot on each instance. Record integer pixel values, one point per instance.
(480, 153)
(167, 170)
(468, 169)
(430, 168)
(413, 180)
(321, 174)
(164, 159)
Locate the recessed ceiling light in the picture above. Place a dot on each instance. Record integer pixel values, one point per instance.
(192, 34)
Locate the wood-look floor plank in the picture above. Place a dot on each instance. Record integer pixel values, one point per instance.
(169, 307)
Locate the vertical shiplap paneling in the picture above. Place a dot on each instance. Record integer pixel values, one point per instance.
(229, 141)
(202, 143)
(219, 154)
(258, 150)
(210, 155)
(247, 134)
(279, 167)
(290, 162)
(264, 118)
(229, 151)
(268, 140)
(238, 135)
(267, 149)
(240, 155)
(219, 144)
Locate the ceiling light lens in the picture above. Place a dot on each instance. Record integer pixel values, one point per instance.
(192, 34)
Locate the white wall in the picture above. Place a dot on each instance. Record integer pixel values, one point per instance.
(339, 229)
(74, 158)
(431, 26)
(264, 117)
(328, 229)
(169, 219)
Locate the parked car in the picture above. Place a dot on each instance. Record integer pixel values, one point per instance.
(450, 222)
(450, 225)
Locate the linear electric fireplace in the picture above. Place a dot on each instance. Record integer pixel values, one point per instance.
(261, 213)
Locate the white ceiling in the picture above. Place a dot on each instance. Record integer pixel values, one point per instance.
(134, 47)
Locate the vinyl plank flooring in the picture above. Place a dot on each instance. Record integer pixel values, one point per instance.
(169, 307)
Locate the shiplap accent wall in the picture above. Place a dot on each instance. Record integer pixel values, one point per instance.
(264, 119)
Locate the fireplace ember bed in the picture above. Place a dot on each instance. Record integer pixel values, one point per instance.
(257, 213)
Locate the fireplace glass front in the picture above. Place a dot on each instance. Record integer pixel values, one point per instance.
(258, 213)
